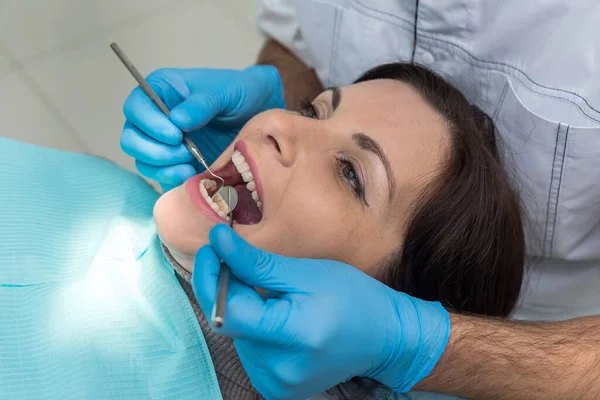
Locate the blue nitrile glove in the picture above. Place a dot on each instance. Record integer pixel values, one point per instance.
(321, 323)
(211, 105)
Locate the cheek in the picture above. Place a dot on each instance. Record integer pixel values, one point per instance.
(315, 219)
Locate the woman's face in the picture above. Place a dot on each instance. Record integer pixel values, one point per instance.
(334, 182)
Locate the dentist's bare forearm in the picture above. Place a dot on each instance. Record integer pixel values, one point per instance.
(299, 81)
(493, 359)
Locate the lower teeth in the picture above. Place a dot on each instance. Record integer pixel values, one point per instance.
(217, 203)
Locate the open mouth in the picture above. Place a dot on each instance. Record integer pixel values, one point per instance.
(238, 173)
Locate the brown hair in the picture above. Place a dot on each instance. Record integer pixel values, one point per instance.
(464, 245)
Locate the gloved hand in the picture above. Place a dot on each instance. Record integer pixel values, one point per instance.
(321, 323)
(211, 105)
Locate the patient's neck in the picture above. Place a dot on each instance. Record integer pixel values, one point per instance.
(184, 260)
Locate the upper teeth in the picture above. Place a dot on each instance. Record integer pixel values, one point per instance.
(217, 202)
(244, 169)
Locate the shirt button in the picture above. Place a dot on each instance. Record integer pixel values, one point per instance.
(427, 58)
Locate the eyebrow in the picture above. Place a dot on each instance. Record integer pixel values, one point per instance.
(367, 143)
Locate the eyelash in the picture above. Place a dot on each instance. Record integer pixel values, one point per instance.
(308, 110)
(356, 186)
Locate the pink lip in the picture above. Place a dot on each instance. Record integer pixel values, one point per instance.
(192, 185)
(193, 190)
(241, 146)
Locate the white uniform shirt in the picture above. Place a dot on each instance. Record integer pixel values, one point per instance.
(534, 67)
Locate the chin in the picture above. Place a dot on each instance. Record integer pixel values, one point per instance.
(179, 225)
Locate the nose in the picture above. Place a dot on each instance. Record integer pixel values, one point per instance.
(281, 133)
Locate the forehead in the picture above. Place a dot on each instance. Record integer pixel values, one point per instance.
(391, 110)
(410, 131)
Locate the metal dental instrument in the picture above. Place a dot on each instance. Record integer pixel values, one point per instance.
(218, 316)
(228, 193)
(161, 106)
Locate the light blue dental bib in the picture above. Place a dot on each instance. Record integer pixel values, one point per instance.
(89, 307)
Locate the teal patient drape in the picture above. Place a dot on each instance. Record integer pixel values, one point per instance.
(89, 307)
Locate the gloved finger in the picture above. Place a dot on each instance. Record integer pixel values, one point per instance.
(259, 268)
(244, 305)
(143, 113)
(200, 108)
(205, 278)
(166, 187)
(244, 309)
(144, 148)
(242, 300)
(270, 294)
(247, 315)
(172, 175)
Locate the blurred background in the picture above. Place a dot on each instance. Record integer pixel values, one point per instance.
(61, 86)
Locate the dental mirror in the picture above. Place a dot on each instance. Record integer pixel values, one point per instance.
(229, 194)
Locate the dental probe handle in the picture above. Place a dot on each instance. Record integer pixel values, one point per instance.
(156, 100)
(218, 317)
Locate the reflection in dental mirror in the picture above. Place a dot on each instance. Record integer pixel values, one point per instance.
(230, 197)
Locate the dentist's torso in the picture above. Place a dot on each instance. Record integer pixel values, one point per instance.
(535, 68)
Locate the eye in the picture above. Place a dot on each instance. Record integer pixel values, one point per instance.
(308, 110)
(350, 174)
(347, 173)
